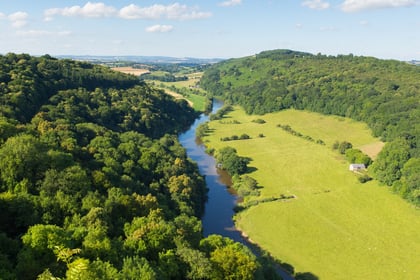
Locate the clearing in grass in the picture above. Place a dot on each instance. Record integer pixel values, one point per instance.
(335, 227)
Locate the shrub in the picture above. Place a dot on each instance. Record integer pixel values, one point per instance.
(259, 121)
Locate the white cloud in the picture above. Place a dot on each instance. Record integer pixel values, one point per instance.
(316, 4)
(360, 5)
(230, 3)
(92, 10)
(174, 11)
(159, 28)
(39, 33)
(18, 19)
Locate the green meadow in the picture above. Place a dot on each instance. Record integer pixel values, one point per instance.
(335, 227)
(186, 88)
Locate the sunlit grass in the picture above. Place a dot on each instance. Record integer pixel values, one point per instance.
(336, 227)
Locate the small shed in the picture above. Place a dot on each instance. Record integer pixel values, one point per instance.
(357, 167)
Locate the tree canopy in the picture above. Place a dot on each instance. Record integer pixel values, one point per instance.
(93, 181)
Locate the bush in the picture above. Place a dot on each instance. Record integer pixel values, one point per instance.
(259, 121)
(364, 179)
(344, 146)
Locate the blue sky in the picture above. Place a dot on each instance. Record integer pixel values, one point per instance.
(208, 29)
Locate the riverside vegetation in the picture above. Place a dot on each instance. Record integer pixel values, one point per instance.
(304, 206)
(94, 183)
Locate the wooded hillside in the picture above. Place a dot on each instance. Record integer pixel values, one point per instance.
(383, 93)
(94, 183)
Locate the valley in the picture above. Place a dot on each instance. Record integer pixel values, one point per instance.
(335, 227)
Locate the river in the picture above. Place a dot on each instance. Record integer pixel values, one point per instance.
(218, 214)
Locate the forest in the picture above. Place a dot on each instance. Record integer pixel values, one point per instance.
(94, 183)
(385, 94)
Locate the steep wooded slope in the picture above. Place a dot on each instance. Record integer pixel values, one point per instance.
(94, 183)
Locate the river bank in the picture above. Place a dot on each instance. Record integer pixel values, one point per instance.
(219, 212)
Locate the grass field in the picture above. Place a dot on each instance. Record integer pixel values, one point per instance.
(336, 227)
(131, 70)
(195, 100)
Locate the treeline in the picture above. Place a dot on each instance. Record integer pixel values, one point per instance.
(383, 93)
(166, 77)
(94, 183)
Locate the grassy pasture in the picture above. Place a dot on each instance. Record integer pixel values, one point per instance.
(195, 100)
(336, 227)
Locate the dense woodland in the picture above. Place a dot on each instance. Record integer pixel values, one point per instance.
(383, 93)
(94, 183)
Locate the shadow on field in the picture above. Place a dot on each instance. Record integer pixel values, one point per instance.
(251, 169)
(273, 266)
(305, 276)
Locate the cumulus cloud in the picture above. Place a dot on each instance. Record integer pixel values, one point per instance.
(230, 3)
(159, 28)
(92, 10)
(316, 4)
(18, 19)
(174, 11)
(360, 5)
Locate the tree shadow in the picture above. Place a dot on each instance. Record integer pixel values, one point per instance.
(251, 169)
(306, 276)
(273, 268)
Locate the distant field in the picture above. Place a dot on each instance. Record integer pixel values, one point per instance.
(196, 101)
(131, 70)
(177, 96)
(336, 227)
(193, 79)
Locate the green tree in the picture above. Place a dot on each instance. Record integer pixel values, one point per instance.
(387, 166)
(22, 162)
(409, 185)
(41, 245)
(198, 266)
(231, 162)
(233, 262)
(137, 268)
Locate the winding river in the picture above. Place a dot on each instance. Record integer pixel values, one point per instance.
(219, 212)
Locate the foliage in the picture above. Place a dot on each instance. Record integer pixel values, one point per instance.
(229, 160)
(260, 121)
(93, 181)
(382, 93)
(245, 185)
(357, 156)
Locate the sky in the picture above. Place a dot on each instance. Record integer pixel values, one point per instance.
(388, 29)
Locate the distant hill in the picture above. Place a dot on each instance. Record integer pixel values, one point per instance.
(383, 93)
(142, 59)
